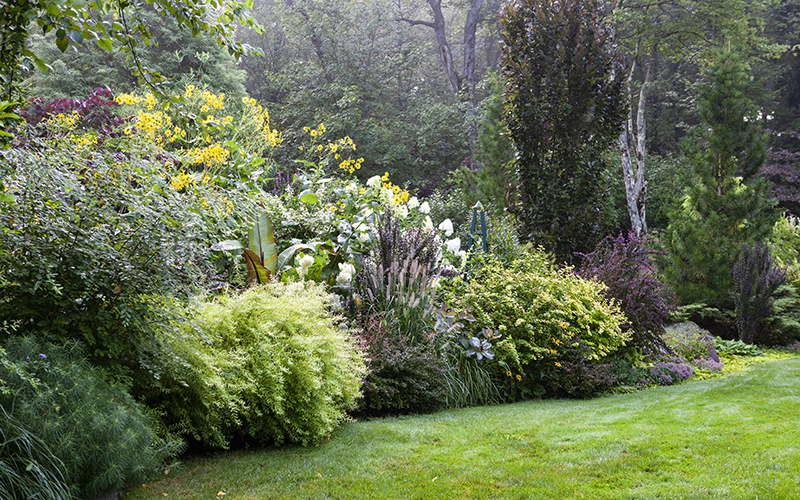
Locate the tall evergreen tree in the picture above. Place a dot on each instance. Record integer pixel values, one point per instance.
(725, 205)
(565, 105)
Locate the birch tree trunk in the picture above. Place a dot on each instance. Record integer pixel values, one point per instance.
(635, 183)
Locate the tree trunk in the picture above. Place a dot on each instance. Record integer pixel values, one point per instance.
(470, 28)
(635, 184)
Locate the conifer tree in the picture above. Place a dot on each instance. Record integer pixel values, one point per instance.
(724, 204)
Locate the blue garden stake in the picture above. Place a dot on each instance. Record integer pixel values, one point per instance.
(484, 238)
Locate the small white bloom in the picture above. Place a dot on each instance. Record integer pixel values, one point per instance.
(428, 224)
(306, 262)
(413, 203)
(425, 208)
(347, 268)
(401, 211)
(447, 227)
(351, 188)
(387, 195)
(454, 245)
(363, 237)
(344, 278)
(374, 181)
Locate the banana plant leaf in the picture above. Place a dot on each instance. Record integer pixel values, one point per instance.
(287, 254)
(227, 246)
(256, 273)
(262, 242)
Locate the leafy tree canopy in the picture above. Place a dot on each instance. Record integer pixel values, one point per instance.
(108, 23)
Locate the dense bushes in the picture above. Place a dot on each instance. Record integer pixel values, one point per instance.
(94, 234)
(270, 364)
(627, 266)
(403, 376)
(544, 316)
(75, 430)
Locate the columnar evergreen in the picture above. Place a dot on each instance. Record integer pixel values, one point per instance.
(724, 204)
(565, 103)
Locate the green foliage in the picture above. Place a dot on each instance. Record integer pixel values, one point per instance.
(785, 246)
(782, 325)
(172, 52)
(542, 315)
(271, 364)
(736, 347)
(495, 180)
(501, 225)
(688, 341)
(76, 23)
(665, 186)
(75, 426)
(28, 469)
(351, 65)
(565, 105)
(95, 236)
(724, 206)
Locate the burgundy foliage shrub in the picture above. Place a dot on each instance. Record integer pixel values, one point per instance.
(627, 266)
(97, 111)
(755, 280)
(402, 378)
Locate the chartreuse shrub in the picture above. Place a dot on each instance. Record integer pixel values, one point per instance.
(271, 364)
(545, 316)
(68, 431)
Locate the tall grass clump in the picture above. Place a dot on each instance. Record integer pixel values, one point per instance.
(393, 303)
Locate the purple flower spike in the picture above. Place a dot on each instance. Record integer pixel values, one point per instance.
(42, 356)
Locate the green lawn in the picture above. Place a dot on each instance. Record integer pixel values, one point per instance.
(731, 437)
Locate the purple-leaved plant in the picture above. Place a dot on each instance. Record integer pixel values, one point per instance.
(627, 266)
(755, 279)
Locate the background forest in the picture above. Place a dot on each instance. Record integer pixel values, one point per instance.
(369, 208)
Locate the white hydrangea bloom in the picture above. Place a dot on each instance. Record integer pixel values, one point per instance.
(374, 181)
(413, 203)
(425, 208)
(347, 268)
(447, 227)
(454, 245)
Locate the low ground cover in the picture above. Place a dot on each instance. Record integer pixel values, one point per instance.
(732, 436)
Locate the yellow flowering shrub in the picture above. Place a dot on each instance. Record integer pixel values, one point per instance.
(545, 317)
(208, 131)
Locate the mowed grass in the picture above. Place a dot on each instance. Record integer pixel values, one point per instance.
(731, 437)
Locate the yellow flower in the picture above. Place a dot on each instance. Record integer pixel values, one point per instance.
(508, 373)
(558, 364)
(519, 378)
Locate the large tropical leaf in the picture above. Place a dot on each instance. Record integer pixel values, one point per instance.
(262, 242)
(256, 273)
